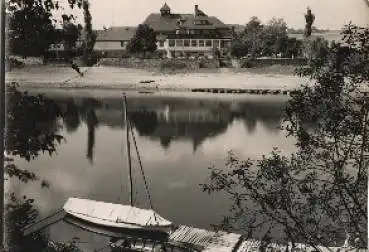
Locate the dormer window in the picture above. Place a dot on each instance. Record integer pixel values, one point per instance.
(165, 10)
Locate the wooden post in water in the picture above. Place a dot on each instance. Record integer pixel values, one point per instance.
(128, 150)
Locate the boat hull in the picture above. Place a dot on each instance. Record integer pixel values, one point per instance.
(105, 223)
(114, 232)
(116, 215)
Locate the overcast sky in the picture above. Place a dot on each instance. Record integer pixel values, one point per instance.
(331, 14)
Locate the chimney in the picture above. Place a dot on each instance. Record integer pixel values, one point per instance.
(196, 10)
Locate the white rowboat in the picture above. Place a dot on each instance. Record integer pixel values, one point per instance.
(116, 215)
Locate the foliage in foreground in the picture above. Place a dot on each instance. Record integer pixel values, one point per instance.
(318, 195)
(31, 129)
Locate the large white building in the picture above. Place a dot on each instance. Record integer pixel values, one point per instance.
(186, 35)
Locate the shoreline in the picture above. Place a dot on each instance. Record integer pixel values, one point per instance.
(116, 78)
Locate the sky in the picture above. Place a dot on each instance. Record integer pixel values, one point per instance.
(330, 14)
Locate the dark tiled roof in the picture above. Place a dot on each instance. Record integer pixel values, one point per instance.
(169, 22)
(116, 33)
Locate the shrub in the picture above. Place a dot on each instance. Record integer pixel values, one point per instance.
(246, 63)
(202, 63)
(173, 65)
(14, 63)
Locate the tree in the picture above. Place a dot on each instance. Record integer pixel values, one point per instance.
(143, 41)
(238, 48)
(31, 125)
(262, 40)
(252, 36)
(294, 48)
(253, 25)
(316, 48)
(30, 27)
(309, 18)
(90, 36)
(274, 37)
(318, 195)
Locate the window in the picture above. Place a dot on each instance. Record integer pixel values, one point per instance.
(216, 43)
(226, 43)
(186, 43)
(194, 43)
(173, 54)
(179, 42)
(172, 43)
(161, 43)
(208, 43)
(201, 43)
(222, 44)
(192, 32)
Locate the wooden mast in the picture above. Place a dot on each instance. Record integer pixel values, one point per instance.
(128, 150)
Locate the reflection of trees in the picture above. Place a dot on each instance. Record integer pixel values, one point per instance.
(269, 114)
(71, 116)
(92, 122)
(144, 121)
(165, 141)
(250, 124)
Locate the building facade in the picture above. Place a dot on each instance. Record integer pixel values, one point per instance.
(189, 35)
(112, 42)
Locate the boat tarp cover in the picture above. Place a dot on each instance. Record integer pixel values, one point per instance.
(114, 212)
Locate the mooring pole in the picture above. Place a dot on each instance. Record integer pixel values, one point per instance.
(128, 150)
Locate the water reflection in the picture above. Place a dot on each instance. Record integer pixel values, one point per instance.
(168, 119)
(92, 122)
(71, 118)
(178, 137)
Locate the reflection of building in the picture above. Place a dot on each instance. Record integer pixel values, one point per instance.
(111, 117)
(195, 125)
(191, 116)
(186, 35)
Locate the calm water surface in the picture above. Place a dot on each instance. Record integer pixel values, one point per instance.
(179, 137)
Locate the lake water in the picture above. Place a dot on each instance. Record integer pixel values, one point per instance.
(179, 137)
